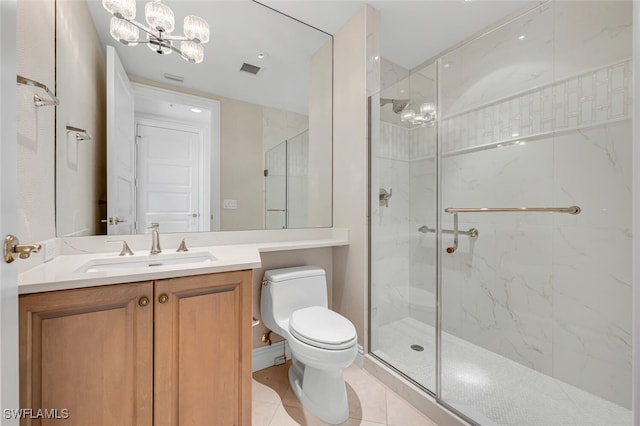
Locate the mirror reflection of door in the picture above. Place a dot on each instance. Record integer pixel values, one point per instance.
(162, 157)
(169, 176)
(120, 149)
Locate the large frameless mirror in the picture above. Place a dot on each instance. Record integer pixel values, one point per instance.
(143, 137)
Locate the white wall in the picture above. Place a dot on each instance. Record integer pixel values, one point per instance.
(35, 55)
(320, 182)
(352, 71)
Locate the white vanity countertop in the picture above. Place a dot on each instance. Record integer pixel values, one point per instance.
(62, 272)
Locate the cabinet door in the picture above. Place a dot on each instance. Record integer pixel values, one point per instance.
(202, 350)
(88, 351)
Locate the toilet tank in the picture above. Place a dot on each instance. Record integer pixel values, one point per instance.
(290, 289)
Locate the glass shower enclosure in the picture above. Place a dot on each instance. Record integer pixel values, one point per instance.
(500, 229)
(286, 183)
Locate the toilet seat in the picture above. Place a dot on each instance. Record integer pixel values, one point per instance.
(322, 328)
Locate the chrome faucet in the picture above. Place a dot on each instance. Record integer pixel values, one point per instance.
(155, 238)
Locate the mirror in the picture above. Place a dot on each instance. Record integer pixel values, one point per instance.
(194, 147)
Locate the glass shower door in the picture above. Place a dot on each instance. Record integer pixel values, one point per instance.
(535, 321)
(403, 223)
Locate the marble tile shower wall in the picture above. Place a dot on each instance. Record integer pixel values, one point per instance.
(390, 226)
(406, 144)
(589, 99)
(402, 257)
(551, 292)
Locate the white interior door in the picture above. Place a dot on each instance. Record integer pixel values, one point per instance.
(169, 176)
(8, 210)
(120, 148)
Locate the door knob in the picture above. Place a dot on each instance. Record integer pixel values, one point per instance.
(12, 246)
(113, 220)
(163, 298)
(143, 301)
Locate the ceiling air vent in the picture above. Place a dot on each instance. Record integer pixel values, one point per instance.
(173, 77)
(251, 69)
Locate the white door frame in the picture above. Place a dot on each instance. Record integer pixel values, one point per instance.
(211, 135)
(9, 395)
(121, 199)
(204, 170)
(635, 225)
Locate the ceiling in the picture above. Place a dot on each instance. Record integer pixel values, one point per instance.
(411, 33)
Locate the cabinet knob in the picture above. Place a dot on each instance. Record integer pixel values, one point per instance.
(163, 298)
(143, 301)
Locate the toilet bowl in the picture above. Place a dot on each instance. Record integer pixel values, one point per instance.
(322, 342)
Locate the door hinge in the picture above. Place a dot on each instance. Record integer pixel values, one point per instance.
(266, 172)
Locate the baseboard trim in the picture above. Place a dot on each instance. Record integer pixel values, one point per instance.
(264, 356)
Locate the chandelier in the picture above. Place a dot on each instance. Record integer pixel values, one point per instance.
(160, 25)
(426, 116)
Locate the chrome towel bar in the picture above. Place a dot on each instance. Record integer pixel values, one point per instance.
(570, 210)
(36, 99)
(81, 134)
(456, 210)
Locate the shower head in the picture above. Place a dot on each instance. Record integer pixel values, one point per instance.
(398, 105)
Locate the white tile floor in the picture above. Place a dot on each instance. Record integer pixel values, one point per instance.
(370, 402)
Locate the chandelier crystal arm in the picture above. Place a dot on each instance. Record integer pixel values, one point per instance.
(139, 26)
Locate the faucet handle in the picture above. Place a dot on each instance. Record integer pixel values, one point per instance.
(154, 225)
(126, 250)
(183, 246)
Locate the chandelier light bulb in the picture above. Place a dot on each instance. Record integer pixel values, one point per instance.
(159, 16)
(192, 51)
(124, 8)
(407, 115)
(427, 108)
(196, 29)
(124, 31)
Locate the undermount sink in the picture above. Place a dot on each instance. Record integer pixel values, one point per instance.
(144, 262)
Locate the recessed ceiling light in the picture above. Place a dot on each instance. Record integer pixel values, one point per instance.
(402, 90)
(522, 37)
(196, 110)
(447, 65)
(260, 55)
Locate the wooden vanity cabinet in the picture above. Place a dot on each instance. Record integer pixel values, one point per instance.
(169, 352)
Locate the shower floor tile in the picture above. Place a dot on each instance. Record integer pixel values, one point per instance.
(489, 388)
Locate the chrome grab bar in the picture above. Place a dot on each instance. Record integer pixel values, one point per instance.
(570, 210)
(472, 232)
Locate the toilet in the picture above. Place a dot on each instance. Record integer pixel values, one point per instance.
(322, 342)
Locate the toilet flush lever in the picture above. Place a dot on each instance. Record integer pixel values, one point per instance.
(12, 246)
